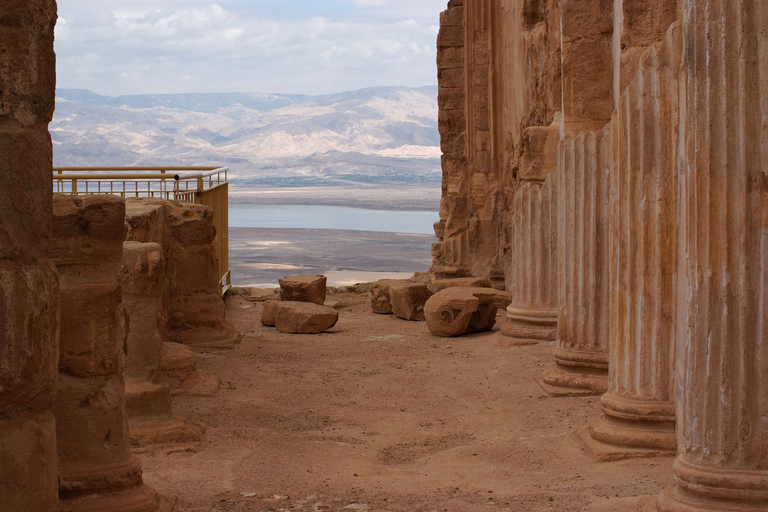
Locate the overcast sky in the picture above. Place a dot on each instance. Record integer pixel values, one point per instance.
(283, 46)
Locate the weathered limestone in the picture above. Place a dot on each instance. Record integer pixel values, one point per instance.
(304, 317)
(460, 310)
(303, 288)
(96, 468)
(581, 354)
(639, 409)
(29, 295)
(186, 232)
(181, 374)
(466, 282)
(532, 267)
(380, 303)
(451, 251)
(269, 312)
(148, 396)
(408, 299)
(722, 408)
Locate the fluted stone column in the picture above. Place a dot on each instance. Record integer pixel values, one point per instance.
(29, 295)
(581, 353)
(639, 407)
(96, 468)
(532, 275)
(722, 408)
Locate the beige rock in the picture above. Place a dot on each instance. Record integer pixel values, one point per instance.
(181, 374)
(466, 282)
(459, 310)
(303, 288)
(269, 313)
(380, 303)
(304, 317)
(408, 299)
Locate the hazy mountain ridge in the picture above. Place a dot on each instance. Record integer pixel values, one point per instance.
(376, 135)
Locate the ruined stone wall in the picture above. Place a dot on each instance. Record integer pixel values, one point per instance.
(486, 106)
(29, 295)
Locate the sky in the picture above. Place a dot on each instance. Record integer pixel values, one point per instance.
(276, 46)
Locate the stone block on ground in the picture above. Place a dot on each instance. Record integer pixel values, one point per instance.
(304, 317)
(380, 303)
(408, 299)
(180, 372)
(461, 310)
(465, 282)
(269, 312)
(303, 288)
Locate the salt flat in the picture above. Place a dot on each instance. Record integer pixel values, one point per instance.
(259, 256)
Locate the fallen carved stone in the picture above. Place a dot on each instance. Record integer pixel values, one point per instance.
(473, 282)
(460, 310)
(408, 299)
(303, 288)
(269, 312)
(304, 317)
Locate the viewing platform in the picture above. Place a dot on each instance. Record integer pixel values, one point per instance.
(205, 185)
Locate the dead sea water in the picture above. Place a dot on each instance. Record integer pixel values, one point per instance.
(331, 217)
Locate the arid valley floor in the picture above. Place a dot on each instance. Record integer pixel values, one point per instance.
(379, 415)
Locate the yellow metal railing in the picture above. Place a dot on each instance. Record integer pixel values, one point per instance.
(200, 185)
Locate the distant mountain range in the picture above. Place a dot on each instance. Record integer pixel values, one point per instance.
(376, 135)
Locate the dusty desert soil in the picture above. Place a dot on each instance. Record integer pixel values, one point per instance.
(379, 415)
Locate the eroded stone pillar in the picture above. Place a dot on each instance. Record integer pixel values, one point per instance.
(639, 408)
(722, 408)
(96, 468)
(581, 353)
(196, 308)
(29, 295)
(532, 269)
(148, 396)
(452, 250)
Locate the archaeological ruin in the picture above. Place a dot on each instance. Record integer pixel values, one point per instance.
(605, 188)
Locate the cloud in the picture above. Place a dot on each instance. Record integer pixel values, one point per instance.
(250, 46)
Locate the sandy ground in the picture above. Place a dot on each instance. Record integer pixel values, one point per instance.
(259, 256)
(377, 414)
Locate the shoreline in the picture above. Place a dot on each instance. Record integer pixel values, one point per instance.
(392, 197)
(259, 256)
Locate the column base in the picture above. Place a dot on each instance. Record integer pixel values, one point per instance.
(560, 380)
(631, 428)
(702, 489)
(138, 499)
(528, 326)
(608, 452)
(172, 432)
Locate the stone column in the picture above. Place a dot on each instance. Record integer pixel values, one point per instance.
(451, 251)
(96, 468)
(29, 295)
(722, 370)
(639, 407)
(532, 269)
(581, 353)
(148, 396)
